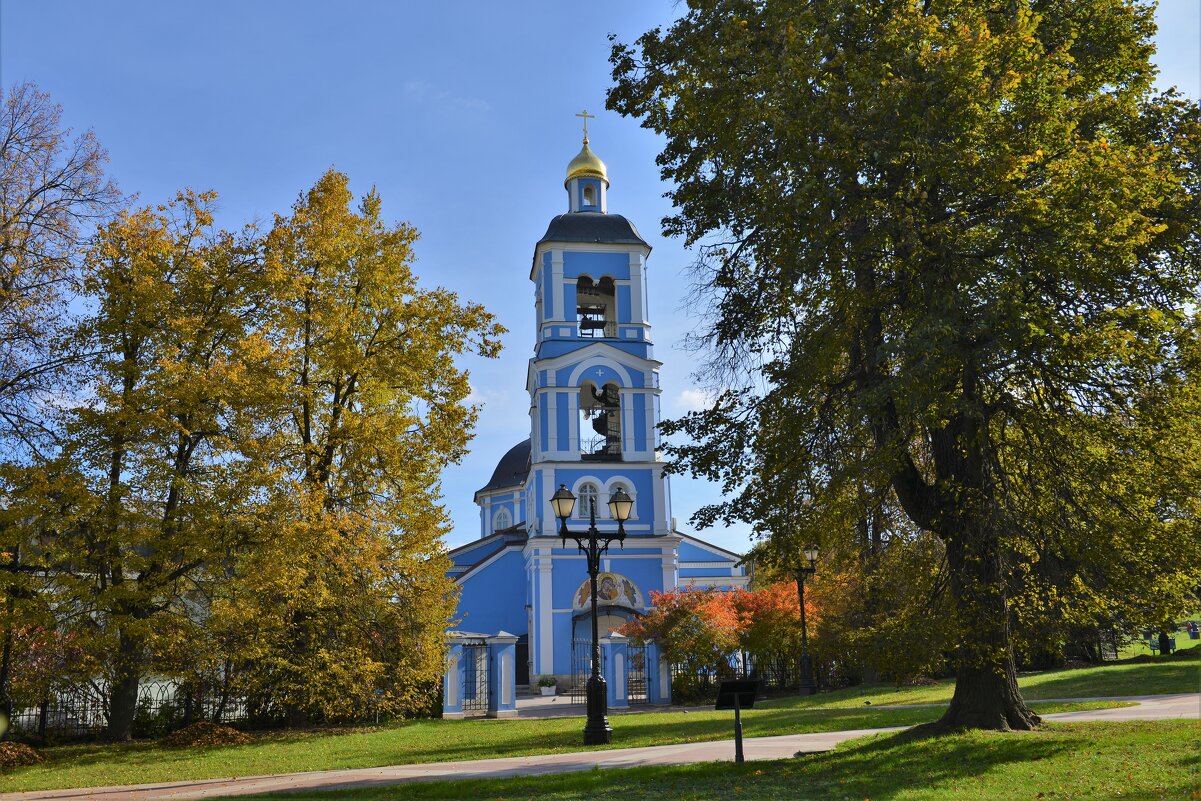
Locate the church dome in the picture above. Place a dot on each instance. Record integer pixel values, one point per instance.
(512, 468)
(587, 165)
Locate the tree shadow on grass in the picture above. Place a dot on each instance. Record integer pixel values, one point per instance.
(442, 741)
(880, 768)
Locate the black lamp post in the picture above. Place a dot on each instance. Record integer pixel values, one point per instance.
(808, 685)
(592, 544)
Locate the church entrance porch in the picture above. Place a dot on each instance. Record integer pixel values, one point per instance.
(634, 671)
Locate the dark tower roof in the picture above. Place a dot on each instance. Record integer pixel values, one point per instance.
(587, 226)
(512, 468)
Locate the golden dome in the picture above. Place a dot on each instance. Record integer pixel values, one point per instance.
(587, 165)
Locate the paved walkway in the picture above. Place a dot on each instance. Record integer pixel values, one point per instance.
(1150, 707)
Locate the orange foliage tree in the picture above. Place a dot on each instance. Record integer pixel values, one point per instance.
(705, 631)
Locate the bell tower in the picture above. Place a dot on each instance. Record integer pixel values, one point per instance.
(593, 385)
(594, 407)
(593, 380)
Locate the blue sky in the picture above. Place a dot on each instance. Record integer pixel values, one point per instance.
(460, 113)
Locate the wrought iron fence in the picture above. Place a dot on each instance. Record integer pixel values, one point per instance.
(82, 711)
(636, 674)
(475, 680)
(581, 669)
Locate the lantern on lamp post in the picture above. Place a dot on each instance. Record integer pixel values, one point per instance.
(808, 685)
(592, 544)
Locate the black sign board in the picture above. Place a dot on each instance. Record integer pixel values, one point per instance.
(737, 694)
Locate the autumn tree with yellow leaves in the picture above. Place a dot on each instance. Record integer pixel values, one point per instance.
(346, 604)
(247, 492)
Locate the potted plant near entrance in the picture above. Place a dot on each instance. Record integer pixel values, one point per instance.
(547, 684)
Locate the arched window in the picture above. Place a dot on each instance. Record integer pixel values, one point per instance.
(502, 519)
(586, 505)
(588, 196)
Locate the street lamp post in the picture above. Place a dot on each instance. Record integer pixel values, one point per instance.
(592, 544)
(808, 685)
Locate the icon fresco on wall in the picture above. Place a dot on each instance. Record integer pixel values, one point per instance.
(612, 589)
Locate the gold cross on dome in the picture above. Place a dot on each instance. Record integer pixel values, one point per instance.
(586, 117)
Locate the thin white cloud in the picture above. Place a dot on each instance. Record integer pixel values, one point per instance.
(690, 400)
(424, 92)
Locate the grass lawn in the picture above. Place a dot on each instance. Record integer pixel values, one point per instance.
(1179, 673)
(1140, 648)
(439, 740)
(1143, 760)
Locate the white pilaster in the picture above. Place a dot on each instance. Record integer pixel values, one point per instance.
(555, 290)
(546, 644)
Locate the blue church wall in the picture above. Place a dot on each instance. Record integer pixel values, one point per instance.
(606, 374)
(492, 598)
(639, 424)
(638, 480)
(647, 574)
(510, 501)
(562, 424)
(595, 266)
(624, 315)
(572, 571)
(544, 424)
(700, 572)
(558, 346)
(562, 628)
(569, 303)
(548, 295)
(690, 552)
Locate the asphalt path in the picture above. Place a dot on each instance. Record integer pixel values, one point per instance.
(1149, 707)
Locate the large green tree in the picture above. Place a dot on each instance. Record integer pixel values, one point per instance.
(958, 241)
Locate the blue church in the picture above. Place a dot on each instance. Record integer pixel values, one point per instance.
(593, 383)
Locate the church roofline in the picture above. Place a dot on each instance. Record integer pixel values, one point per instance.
(590, 349)
(507, 534)
(711, 546)
(575, 235)
(595, 227)
(511, 545)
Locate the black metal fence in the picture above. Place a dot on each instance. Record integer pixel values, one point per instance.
(82, 711)
(475, 679)
(781, 672)
(636, 674)
(581, 669)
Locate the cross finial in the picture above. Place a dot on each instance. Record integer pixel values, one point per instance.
(586, 117)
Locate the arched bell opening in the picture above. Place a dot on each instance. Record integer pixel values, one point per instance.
(596, 307)
(600, 422)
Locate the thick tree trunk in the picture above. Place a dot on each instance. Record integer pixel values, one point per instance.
(986, 690)
(123, 694)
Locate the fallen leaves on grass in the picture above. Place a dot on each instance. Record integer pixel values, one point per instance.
(204, 734)
(18, 755)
